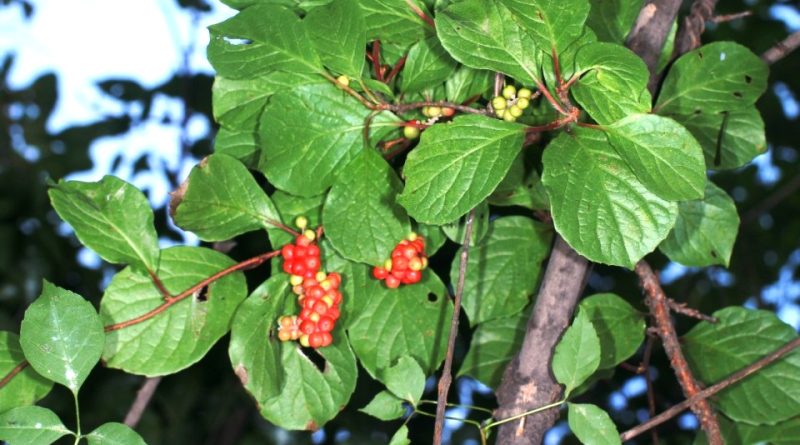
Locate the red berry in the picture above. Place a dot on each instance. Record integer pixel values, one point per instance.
(312, 263)
(379, 272)
(305, 313)
(284, 335)
(447, 112)
(335, 279)
(399, 263)
(302, 240)
(415, 263)
(412, 276)
(320, 307)
(308, 327)
(300, 252)
(312, 250)
(326, 339)
(288, 267)
(315, 340)
(335, 295)
(392, 282)
(315, 292)
(397, 253)
(325, 324)
(287, 252)
(298, 268)
(308, 303)
(309, 273)
(333, 313)
(399, 274)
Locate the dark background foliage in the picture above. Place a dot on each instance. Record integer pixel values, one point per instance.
(205, 404)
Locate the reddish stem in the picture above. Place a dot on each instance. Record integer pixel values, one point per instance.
(13, 373)
(420, 13)
(550, 97)
(246, 264)
(376, 59)
(396, 69)
(556, 67)
(157, 281)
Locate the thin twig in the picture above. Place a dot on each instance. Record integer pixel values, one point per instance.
(730, 17)
(420, 13)
(376, 60)
(683, 309)
(246, 264)
(157, 281)
(648, 378)
(13, 373)
(782, 49)
(711, 390)
(446, 379)
(402, 108)
(659, 308)
(693, 25)
(143, 397)
(396, 69)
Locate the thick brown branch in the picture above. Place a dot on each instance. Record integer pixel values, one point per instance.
(693, 25)
(13, 373)
(711, 390)
(527, 381)
(446, 378)
(143, 397)
(659, 308)
(782, 49)
(246, 264)
(650, 32)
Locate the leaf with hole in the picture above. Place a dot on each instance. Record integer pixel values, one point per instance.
(150, 334)
(577, 355)
(742, 336)
(111, 217)
(598, 204)
(458, 165)
(221, 200)
(514, 247)
(361, 217)
(62, 336)
(720, 76)
(705, 230)
(405, 379)
(385, 406)
(291, 389)
(729, 139)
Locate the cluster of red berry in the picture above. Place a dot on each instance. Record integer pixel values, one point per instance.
(317, 293)
(406, 264)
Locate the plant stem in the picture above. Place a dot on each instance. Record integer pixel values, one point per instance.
(458, 405)
(246, 264)
(13, 373)
(526, 413)
(143, 397)
(445, 380)
(78, 435)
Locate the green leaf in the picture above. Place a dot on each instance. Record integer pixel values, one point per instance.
(784, 433)
(598, 205)
(393, 21)
(259, 40)
(311, 133)
(427, 63)
(553, 24)
(664, 155)
(62, 336)
(239, 144)
(494, 343)
(566, 62)
(183, 331)
(577, 354)
(466, 83)
(362, 220)
(339, 34)
(741, 337)
(434, 237)
(612, 20)
(400, 437)
(238, 103)
(729, 139)
(111, 217)
(455, 230)
(290, 207)
(221, 200)
(720, 76)
(27, 386)
(503, 271)
(614, 83)
(619, 327)
(290, 390)
(113, 433)
(385, 406)
(591, 425)
(483, 34)
(405, 380)
(458, 165)
(705, 231)
(529, 194)
(31, 425)
(387, 324)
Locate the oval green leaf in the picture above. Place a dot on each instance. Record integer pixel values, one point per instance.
(31, 425)
(113, 433)
(21, 385)
(577, 354)
(619, 327)
(591, 425)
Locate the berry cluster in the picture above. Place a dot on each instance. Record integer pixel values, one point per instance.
(317, 293)
(406, 264)
(511, 103)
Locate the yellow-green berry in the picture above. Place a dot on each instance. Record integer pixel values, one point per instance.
(509, 91)
(343, 80)
(301, 222)
(523, 103)
(508, 117)
(524, 92)
(410, 132)
(499, 103)
(434, 111)
(514, 111)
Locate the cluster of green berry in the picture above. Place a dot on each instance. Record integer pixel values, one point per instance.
(317, 293)
(510, 104)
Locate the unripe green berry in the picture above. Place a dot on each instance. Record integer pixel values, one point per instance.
(508, 117)
(301, 222)
(509, 91)
(499, 103)
(523, 103)
(343, 80)
(426, 111)
(524, 92)
(499, 113)
(410, 132)
(514, 111)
